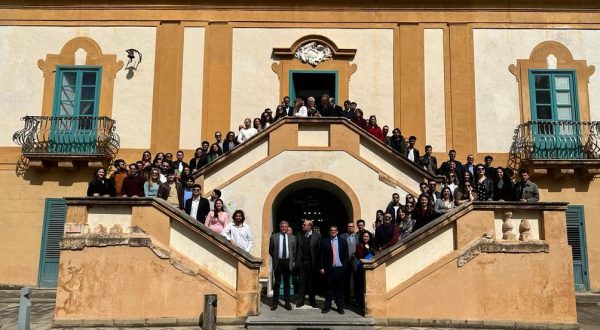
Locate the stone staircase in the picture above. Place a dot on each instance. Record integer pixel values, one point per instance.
(307, 317)
(11, 296)
(588, 299)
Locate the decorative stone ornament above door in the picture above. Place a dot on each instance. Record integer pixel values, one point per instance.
(314, 52)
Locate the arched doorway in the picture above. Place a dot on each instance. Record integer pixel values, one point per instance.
(338, 190)
(319, 205)
(318, 200)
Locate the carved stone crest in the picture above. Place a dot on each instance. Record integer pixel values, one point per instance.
(313, 53)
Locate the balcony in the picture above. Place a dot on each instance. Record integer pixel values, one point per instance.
(557, 147)
(67, 140)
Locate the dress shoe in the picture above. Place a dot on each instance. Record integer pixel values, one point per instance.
(288, 306)
(313, 305)
(273, 307)
(341, 311)
(298, 305)
(325, 310)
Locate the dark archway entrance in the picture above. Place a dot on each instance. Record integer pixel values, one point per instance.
(317, 200)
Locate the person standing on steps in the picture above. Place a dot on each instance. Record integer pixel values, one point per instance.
(334, 260)
(282, 249)
(309, 263)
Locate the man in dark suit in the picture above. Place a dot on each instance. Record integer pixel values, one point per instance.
(197, 206)
(309, 263)
(334, 259)
(282, 249)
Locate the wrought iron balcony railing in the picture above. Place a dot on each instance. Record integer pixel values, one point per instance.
(555, 140)
(61, 136)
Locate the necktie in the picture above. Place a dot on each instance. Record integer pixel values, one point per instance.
(284, 252)
(334, 253)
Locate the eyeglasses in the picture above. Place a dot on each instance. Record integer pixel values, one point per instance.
(196, 189)
(481, 169)
(154, 173)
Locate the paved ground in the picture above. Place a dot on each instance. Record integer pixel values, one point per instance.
(588, 316)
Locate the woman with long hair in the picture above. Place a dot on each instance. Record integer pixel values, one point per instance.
(230, 142)
(483, 185)
(146, 160)
(256, 124)
(265, 120)
(214, 153)
(151, 185)
(464, 193)
(365, 249)
(451, 181)
(503, 186)
(100, 186)
(424, 212)
(374, 129)
(445, 203)
(279, 113)
(299, 109)
(158, 159)
(198, 161)
(405, 221)
(217, 218)
(359, 120)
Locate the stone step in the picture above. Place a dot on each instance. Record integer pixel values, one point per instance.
(307, 317)
(587, 298)
(38, 295)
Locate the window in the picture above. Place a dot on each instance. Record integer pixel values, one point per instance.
(77, 91)
(554, 113)
(75, 111)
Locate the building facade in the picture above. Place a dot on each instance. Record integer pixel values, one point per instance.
(516, 82)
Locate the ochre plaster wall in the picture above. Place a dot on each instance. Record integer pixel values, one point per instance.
(518, 287)
(22, 82)
(130, 283)
(255, 87)
(497, 91)
(22, 209)
(579, 192)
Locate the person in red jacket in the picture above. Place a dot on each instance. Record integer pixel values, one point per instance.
(375, 130)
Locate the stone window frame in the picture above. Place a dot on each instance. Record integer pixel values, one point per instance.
(94, 57)
(538, 59)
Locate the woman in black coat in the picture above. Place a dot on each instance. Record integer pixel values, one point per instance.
(503, 186)
(100, 185)
(424, 212)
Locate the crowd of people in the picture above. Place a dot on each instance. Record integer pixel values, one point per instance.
(336, 258)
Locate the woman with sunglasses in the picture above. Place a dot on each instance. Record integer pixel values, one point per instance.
(464, 193)
(151, 185)
(230, 142)
(409, 199)
(483, 185)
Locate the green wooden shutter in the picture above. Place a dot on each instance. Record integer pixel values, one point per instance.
(54, 223)
(576, 238)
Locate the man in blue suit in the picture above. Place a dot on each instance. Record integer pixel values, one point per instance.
(334, 260)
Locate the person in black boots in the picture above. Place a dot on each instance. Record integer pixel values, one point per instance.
(309, 263)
